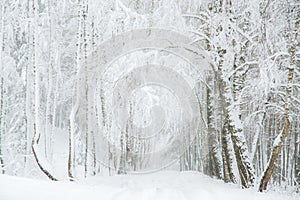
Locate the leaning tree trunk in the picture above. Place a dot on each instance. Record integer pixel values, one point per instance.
(36, 130)
(281, 137)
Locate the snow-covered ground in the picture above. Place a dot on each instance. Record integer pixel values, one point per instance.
(163, 185)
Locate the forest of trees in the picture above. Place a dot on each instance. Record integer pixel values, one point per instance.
(57, 79)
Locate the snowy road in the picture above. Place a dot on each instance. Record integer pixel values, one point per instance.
(162, 185)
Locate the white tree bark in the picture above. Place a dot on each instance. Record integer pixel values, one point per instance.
(48, 126)
(76, 94)
(1, 89)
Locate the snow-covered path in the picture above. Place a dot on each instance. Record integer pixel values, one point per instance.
(162, 185)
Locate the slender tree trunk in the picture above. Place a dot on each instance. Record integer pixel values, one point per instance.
(28, 91)
(70, 153)
(281, 137)
(97, 117)
(1, 89)
(36, 124)
(297, 153)
(2, 128)
(47, 130)
(75, 99)
(87, 135)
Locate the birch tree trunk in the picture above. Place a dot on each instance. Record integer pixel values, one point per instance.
(215, 163)
(36, 123)
(47, 131)
(1, 89)
(96, 114)
(232, 90)
(244, 164)
(227, 155)
(75, 100)
(87, 110)
(227, 151)
(296, 158)
(277, 145)
(28, 91)
(1, 125)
